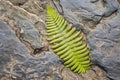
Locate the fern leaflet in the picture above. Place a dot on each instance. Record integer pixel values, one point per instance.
(66, 42)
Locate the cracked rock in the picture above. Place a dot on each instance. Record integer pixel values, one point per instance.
(106, 48)
(23, 21)
(18, 2)
(82, 12)
(104, 37)
(29, 33)
(17, 63)
(26, 22)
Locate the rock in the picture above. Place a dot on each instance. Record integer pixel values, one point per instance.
(16, 13)
(10, 49)
(18, 2)
(23, 24)
(118, 1)
(29, 33)
(93, 74)
(104, 37)
(41, 68)
(105, 45)
(111, 8)
(83, 12)
(17, 63)
(88, 13)
(35, 7)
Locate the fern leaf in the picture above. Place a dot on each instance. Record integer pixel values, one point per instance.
(66, 42)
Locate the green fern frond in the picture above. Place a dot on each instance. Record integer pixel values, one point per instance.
(66, 42)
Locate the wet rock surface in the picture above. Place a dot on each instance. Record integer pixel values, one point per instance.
(22, 33)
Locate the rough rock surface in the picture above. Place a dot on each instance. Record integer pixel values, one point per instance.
(29, 33)
(23, 23)
(100, 19)
(105, 42)
(88, 13)
(17, 63)
(18, 2)
(24, 51)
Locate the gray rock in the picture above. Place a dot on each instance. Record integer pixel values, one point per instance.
(17, 63)
(112, 6)
(105, 44)
(10, 48)
(104, 39)
(78, 10)
(29, 33)
(7, 9)
(24, 22)
(39, 68)
(88, 13)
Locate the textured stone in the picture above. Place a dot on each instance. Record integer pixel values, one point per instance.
(104, 41)
(39, 68)
(29, 33)
(93, 74)
(36, 7)
(86, 14)
(18, 2)
(10, 49)
(112, 6)
(17, 63)
(16, 13)
(26, 23)
(82, 12)
(104, 37)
